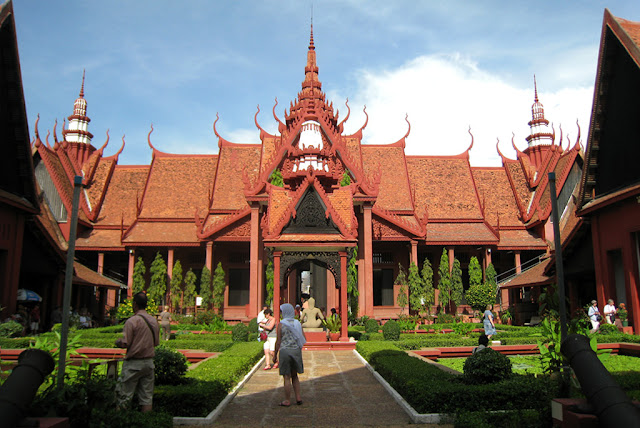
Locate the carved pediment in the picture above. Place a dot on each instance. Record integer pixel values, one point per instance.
(311, 216)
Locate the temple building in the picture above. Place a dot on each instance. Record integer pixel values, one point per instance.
(307, 198)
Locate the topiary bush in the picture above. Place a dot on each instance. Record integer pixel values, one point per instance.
(240, 333)
(371, 326)
(170, 366)
(253, 325)
(608, 328)
(10, 329)
(486, 366)
(391, 330)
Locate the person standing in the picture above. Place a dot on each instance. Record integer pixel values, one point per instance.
(140, 337)
(610, 312)
(594, 316)
(165, 323)
(289, 342)
(269, 327)
(261, 319)
(35, 319)
(488, 323)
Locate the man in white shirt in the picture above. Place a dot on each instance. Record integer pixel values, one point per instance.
(610, 311)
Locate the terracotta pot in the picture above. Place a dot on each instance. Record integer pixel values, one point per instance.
(334, 337)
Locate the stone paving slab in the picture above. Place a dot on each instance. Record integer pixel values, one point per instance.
(337, 390)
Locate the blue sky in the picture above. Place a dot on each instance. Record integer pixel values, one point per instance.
(448, 65)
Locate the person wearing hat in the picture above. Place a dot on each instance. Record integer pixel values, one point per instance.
(594, 316)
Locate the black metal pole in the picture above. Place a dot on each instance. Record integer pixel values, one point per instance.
(66, 303)
(558, 248)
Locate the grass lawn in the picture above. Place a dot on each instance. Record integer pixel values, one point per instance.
(530, 364)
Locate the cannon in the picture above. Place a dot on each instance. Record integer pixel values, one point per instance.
(607, 400)
(20, 388)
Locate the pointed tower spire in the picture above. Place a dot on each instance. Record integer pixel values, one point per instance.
(77, 132)
(311, 86)
(539, 126)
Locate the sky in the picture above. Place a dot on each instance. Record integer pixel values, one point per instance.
(451, 67)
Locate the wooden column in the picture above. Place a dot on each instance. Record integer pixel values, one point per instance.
(414, 252)
(518, 262)
(344, 310)
(132, 262)
(276, 284)
(170, 256)
(367, 288)
(100, 263)
(631, 284)
(209, 256)
(599, 264)
(451, 255)
(253, 263)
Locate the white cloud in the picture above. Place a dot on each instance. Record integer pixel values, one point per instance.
(444, 96)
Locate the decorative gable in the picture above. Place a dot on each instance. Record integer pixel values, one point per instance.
(311, 216)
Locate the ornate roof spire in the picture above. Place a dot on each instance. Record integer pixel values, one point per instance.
(77, 131)
(311, 84)
(539, 126)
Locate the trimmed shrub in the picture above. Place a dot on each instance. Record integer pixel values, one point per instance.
(10, 329)
(371, 326)
(608, 329)
(391, 330)
(253, 325)
(487, 366)
(239, 333)
(170, 366)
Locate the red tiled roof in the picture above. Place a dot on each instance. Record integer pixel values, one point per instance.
(342, 202)
(162, 232)
(228, 193)
(531, 277)
(279, 201)
(520, 239)
(495, 191)
(98, 185)
(394, 193)
(459, 232)
(631, 28)
(444, 186)
(99, 238)
(519, 180)
(126, 184)
(178, 186)
(86, 276)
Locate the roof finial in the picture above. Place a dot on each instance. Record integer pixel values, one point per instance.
(535, 86)
(82, 87)
(311, 45)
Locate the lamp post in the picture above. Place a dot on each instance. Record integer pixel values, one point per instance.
(66, 303)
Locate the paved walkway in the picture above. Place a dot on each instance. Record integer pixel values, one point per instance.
(337, 390)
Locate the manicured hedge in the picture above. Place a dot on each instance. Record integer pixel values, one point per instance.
(208, 384)
(431, 390)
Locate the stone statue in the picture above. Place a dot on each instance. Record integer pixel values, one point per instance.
(311, 317)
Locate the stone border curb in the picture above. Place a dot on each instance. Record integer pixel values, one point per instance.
(211, 417)
(416, 418)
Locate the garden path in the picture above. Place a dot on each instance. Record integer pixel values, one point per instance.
(337, 390)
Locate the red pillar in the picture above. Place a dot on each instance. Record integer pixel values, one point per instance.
(276, 284)
(253, 263)
(518, 262)
(368, 262)
(414, 252)
(209, 256)
(344, 311)
(451, 255)
(132, 262)
(170, 257)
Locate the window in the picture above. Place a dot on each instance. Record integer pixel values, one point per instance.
(383, 287)
(238, 287)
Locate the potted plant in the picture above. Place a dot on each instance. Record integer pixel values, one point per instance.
(333, 324)
(623, 314)
(506, 317)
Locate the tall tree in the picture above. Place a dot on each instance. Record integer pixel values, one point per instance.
(416, 289)
(176, 284)
(158, 285)
(429, 291)
(401, 280)
(219, 285)
(491, 275)
(444, 282)
(269, 273)
(138, 276)
(475, 272)
(352, 280)
(190, 289)
(457, 289)
(205, 288)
